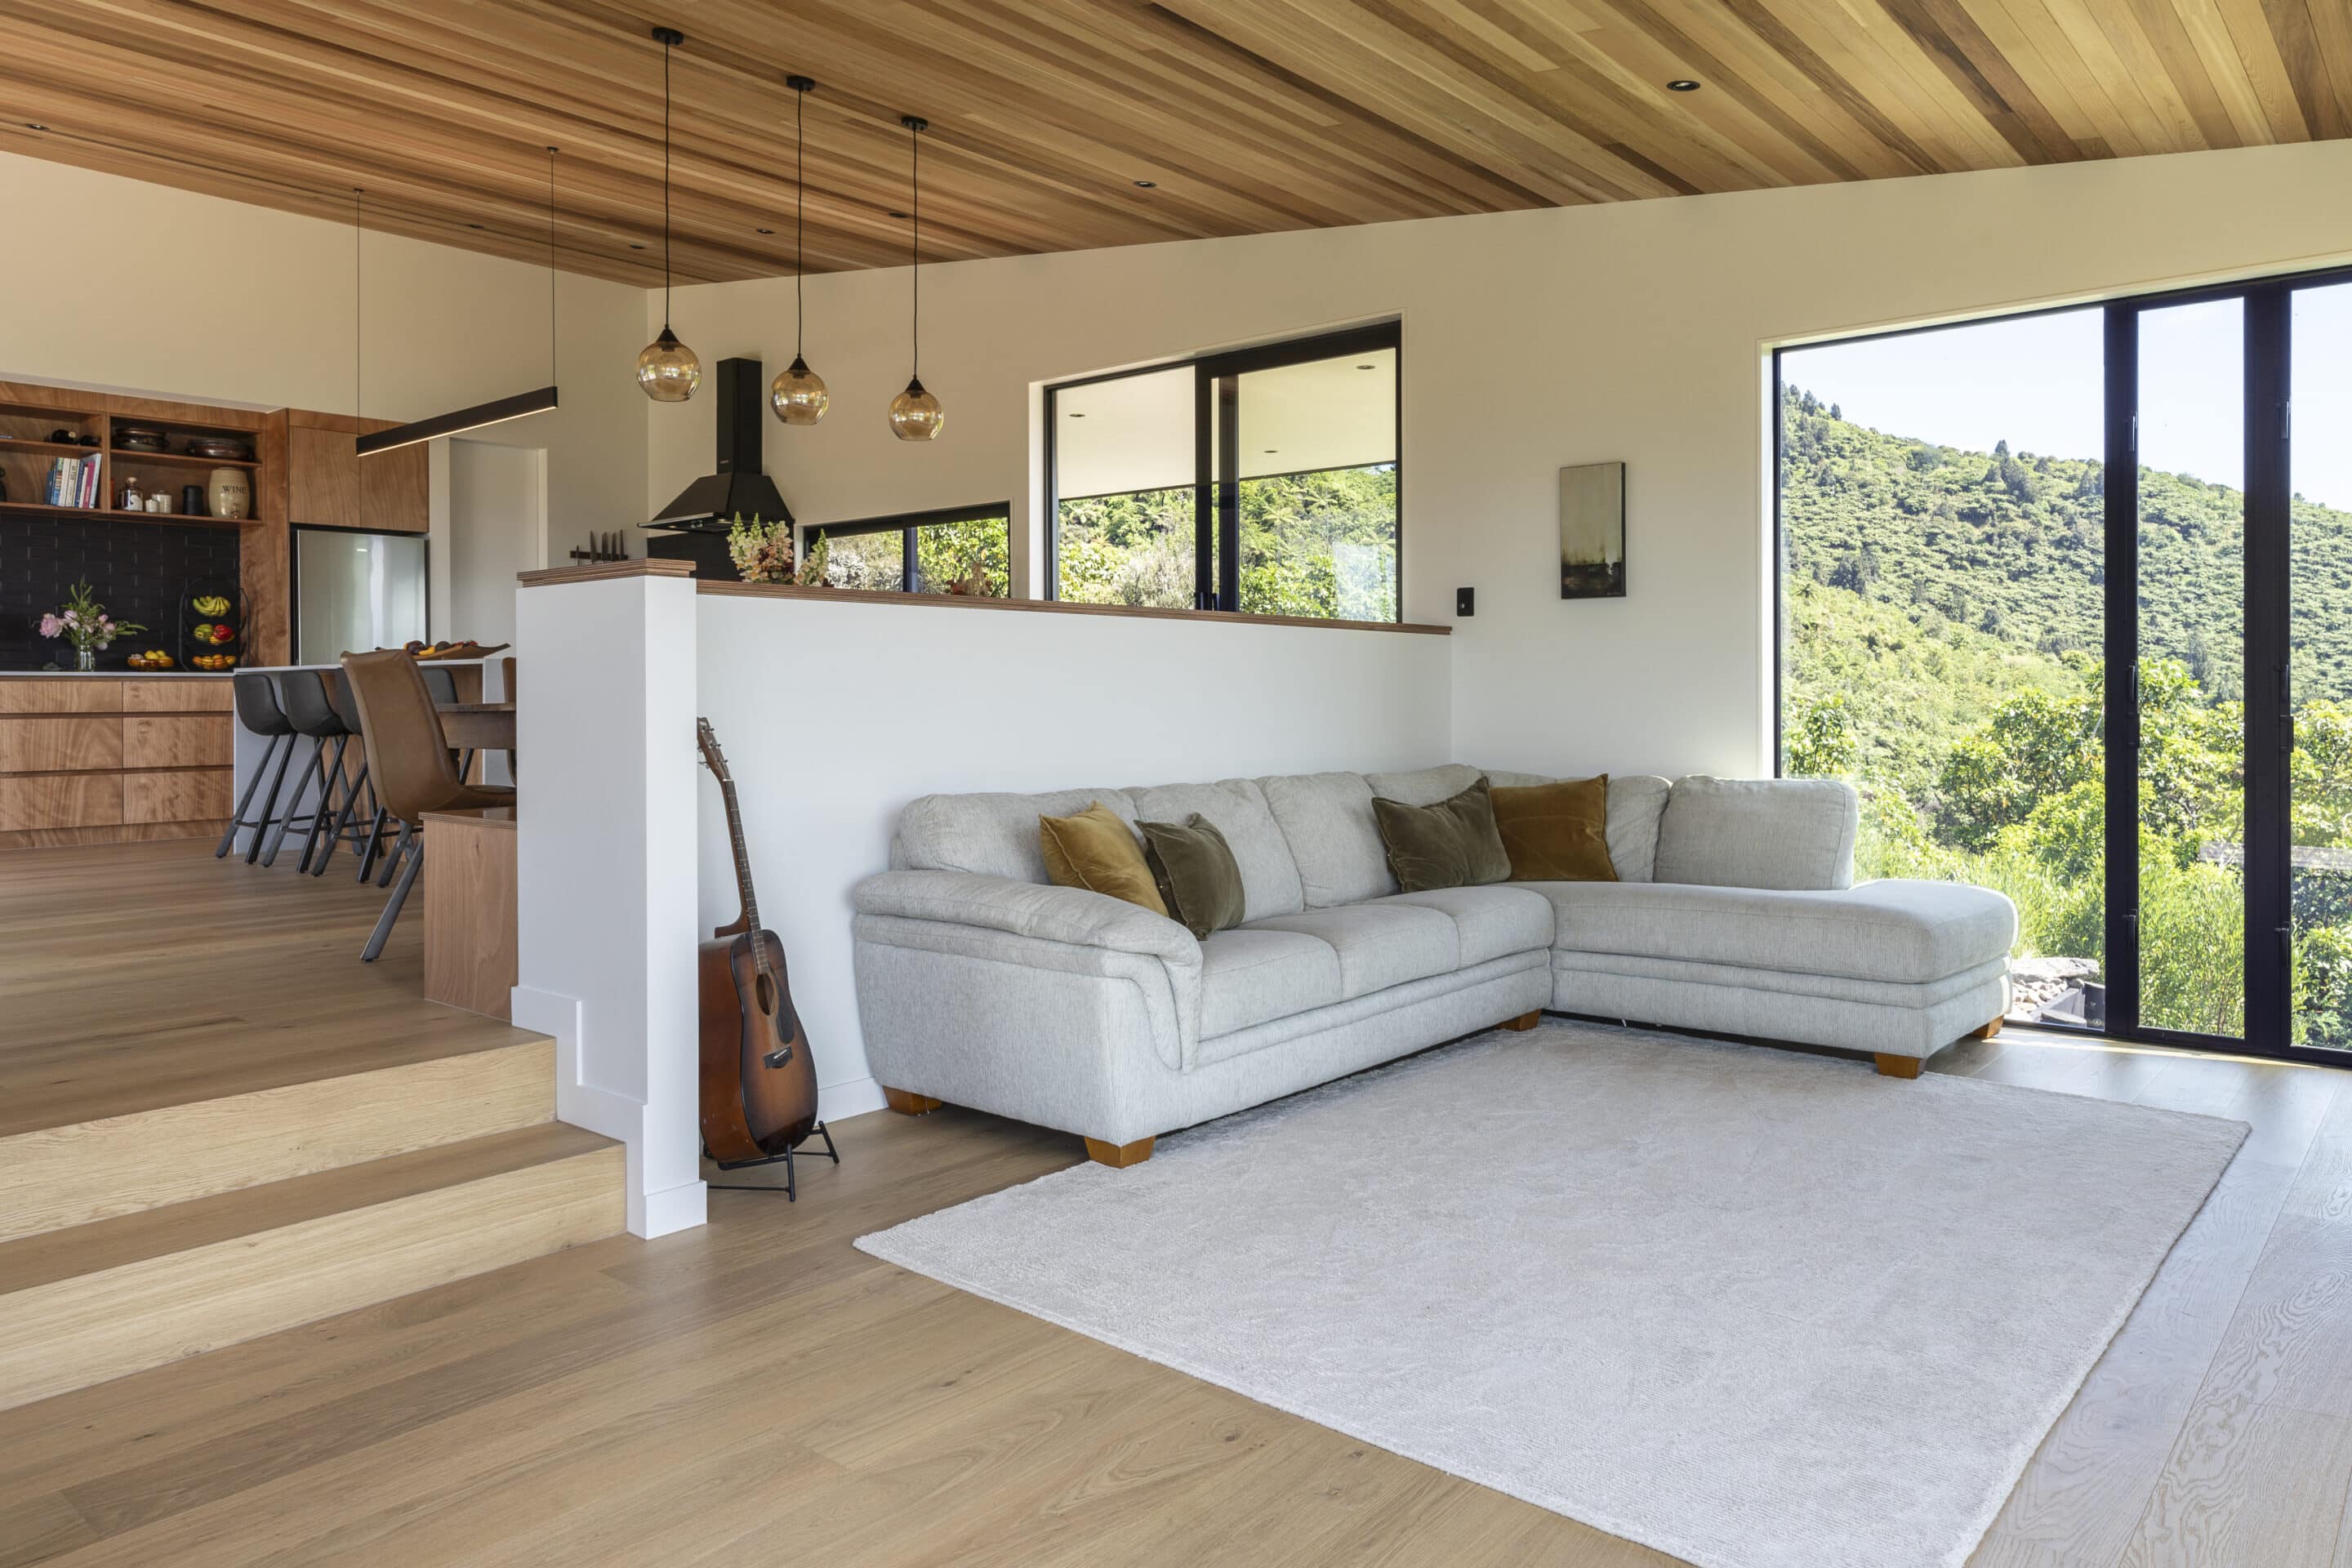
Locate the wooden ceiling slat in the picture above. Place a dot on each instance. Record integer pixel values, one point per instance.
(1250, 115)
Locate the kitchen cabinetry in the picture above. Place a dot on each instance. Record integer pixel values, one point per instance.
(330, 484)
(101, 758)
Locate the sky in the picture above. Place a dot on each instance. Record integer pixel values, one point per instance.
(2036, 383)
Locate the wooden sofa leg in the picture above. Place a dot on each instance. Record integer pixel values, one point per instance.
(1898, 1067)
(1988, 1032)
(1524, 1021)
(908, 1104)
(1120, 1156)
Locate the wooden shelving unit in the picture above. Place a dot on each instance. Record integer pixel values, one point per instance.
(31, 413)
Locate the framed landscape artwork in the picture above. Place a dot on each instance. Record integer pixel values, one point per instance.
(1593, 532)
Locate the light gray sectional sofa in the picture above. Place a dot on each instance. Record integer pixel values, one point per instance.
(979, 984)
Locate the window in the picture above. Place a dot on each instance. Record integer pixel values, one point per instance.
(1263, 480)
(920, 553)
(2063, 595)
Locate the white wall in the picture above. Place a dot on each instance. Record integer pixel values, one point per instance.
(832, 716)
(1532, 340)
(141, 288)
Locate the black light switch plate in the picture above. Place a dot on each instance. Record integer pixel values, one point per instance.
(1466, 601)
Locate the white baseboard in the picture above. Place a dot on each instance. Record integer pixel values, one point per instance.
(853, 1097)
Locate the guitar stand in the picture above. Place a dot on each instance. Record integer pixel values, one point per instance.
(791, 1189)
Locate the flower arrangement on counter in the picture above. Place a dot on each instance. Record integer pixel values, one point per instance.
(763, 551)
(82, 621)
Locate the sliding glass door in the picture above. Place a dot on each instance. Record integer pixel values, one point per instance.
(2104, 661)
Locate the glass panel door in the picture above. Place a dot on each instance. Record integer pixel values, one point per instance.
(2320, 638)
(2192, 754)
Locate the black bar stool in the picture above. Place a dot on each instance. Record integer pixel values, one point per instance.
(302, 695)
(362, 836)
(257, 710)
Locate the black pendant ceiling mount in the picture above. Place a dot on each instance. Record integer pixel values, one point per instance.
(798, 395)
(667, 370)
(497, 410)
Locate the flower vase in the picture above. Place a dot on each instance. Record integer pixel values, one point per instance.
(86, 659)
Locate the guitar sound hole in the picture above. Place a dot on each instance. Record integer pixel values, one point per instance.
(763, 992)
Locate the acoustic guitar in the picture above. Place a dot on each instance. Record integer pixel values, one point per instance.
(759, 1082)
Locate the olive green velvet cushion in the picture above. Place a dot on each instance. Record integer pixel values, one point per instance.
(1557, 832)
(1097, 852)
(1452, 843)
(1196, 873)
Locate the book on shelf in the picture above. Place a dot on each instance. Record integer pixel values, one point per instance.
(73, 482)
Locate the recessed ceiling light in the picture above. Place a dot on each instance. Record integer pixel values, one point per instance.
(1682, 84)
(1146, 185)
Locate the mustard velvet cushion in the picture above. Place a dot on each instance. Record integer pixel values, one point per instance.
(1096, 850)
(1196, 872)
(1557, 832)
(1452, 843)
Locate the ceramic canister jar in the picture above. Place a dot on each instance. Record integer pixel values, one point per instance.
(231, 493)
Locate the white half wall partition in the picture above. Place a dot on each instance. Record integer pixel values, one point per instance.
(835, 710)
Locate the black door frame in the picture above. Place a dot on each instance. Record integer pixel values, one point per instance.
(2267, 654)
(1217, 452)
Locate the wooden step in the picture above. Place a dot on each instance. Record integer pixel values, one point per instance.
(96, 1170)
(98, 1301)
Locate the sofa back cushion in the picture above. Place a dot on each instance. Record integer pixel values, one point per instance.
(1238, 808)
(994, 835)
(1636, 802)
(1791, 835)
(1326, 820)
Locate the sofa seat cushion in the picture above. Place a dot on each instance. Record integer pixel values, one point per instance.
(1901, 931)
(1252, 976)
(1490, 921)
(1378, 944)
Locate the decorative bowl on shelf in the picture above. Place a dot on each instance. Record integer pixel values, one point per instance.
(221, 448)
(139, 438)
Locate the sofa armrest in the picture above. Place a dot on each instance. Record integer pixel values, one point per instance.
(1071, 915)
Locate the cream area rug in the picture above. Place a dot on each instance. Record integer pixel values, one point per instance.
(1751, 1308)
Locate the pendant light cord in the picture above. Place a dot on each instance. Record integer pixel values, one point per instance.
(551, 267)
(915, 247)
(359, 359)
(800, 211)
(666, 47)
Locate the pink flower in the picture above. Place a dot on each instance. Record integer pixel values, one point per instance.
(52, 626)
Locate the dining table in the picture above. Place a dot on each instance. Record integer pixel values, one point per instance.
(478, 726)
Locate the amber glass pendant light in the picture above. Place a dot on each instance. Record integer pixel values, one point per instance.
(667, 370)
(798, 395)
(915, 413)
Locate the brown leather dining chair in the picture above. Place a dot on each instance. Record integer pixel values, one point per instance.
(409, 763)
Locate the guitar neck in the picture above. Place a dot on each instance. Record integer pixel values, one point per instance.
(742, 857)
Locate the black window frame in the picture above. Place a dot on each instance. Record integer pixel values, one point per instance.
(907, 524)
(2266, 647)
(1216, 498)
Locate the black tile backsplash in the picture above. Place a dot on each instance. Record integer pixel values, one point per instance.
(135, 569)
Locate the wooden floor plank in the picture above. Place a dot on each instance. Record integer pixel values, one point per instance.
(704, 1397)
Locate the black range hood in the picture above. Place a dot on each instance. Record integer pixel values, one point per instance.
(739, 486)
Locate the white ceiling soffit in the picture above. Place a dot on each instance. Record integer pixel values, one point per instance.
(1135, 433)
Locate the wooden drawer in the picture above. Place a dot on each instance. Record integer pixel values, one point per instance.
(62, 745)
(62, 800)
(188, 695)
(192, 794)
(149, 741)
(71, 694)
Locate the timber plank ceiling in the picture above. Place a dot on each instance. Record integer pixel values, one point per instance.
(1247, 115)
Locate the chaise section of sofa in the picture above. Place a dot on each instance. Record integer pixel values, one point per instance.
(981, 984)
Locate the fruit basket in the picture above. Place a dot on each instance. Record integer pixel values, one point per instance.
(212, 624)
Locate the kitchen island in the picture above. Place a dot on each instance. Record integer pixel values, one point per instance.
(113, 757)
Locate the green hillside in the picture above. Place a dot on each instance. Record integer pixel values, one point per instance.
(1943, 619)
